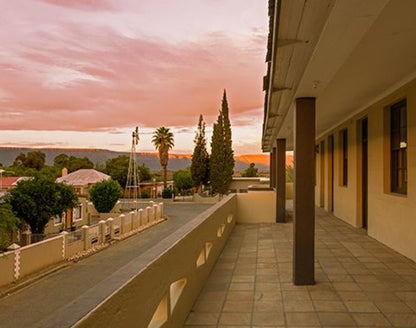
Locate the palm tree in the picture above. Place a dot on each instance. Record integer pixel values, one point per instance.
(163, 141)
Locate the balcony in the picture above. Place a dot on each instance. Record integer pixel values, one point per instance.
(359, 281)
(221, 269)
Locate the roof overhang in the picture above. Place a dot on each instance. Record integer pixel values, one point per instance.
(344, 53)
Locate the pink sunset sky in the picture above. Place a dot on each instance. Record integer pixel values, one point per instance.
(84, 73)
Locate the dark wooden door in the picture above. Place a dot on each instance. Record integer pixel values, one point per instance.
(331, 173)
(364, 147)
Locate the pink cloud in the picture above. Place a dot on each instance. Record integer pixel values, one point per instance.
(86, 77)
(82, 4)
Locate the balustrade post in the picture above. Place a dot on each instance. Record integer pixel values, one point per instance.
(64, 243)
(86, 237)
(110, 222)
(101, 232)
(140, 214)
(161, 210)
(122, 221)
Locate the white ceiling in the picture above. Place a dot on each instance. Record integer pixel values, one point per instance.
(356, 50)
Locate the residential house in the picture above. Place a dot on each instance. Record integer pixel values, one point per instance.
(6, 183)
(82, 181)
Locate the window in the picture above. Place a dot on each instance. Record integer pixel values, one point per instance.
(77, 213)
(59, 219)
(78, 190)
(398, 147)
(344, 157)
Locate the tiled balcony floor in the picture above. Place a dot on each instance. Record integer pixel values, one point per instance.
(359, 281)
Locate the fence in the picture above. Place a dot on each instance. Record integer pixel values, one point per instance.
(29, 259)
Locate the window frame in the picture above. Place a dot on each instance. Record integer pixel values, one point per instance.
(62, 218)
(398, 147)
(74, 219)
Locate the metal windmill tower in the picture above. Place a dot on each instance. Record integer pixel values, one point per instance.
(133, 183)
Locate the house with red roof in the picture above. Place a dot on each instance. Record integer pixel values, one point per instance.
(7, 183)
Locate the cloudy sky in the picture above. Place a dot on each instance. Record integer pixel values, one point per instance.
(84, 73)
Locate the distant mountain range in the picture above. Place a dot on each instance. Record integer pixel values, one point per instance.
(99, 156)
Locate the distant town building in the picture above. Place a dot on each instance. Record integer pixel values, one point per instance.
(7, 183)
(82, 181)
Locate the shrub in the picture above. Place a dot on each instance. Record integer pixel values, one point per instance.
(105, 194)
(167, 193)
(145, 194)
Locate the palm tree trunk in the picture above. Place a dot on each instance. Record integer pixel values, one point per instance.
(165, 176)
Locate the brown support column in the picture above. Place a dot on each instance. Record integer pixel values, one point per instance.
(304, 209)
(281, 181)
(273, 168)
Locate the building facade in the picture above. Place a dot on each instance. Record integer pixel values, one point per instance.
(343, 75)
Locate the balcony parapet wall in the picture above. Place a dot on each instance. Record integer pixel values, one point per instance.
(158, 288)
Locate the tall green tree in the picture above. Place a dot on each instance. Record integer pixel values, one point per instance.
(144, 173)
(163, 141)
(118, 168)
(61, 161)
(77, 163)
(72, 163)
(222, 154)
(200, 157)
(33, 159)
(228, 144)
(38, 199)
(182, 180)
(8, 223)
(20, 160)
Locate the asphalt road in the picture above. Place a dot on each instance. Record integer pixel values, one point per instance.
(41, 303)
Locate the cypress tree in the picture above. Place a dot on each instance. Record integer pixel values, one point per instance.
(228, 146)
(222, 155)
(200, 157)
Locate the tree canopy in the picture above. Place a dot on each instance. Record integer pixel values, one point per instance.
(222, 155)
(33, 159)
(38, 199)
(163, 141)
(182, 179)
(72, 163)
(61, 161)
(105, 194)
(289, 173)
(200, 157)
(8, 223)
(251, 171)
(118, 167)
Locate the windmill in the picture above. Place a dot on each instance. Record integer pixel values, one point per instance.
(132, 189)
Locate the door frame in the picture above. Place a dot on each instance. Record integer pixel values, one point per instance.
(331, 156)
